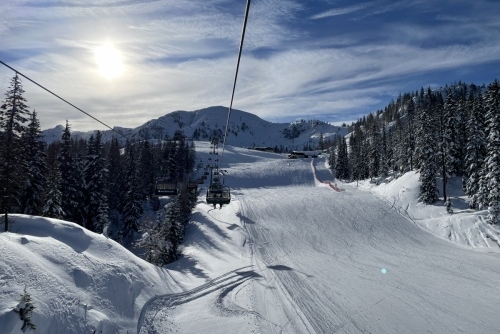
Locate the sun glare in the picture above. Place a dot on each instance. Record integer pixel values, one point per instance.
(109, 60)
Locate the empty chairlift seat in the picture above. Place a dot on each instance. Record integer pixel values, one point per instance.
(165, 188)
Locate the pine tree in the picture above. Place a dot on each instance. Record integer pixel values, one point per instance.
(95, 192)
(132, 204)
(53, 196)
(492, 162)
(69, 184)
(451, 148)
(475, 150)
(116, 184)
(13, 156)
(154, 241)
(427, 156)
(332, 157)
(342, 161)
(410, 133)
(375, 152)
(384, 161)
(32, 195)
(146, 170)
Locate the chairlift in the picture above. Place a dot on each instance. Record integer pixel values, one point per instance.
(218, 194)
(192, 186)
(166, 188)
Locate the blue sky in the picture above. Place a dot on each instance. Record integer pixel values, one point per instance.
(332, 60)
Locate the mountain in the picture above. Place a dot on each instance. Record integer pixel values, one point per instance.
(245, 129)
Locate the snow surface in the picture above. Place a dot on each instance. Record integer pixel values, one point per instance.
(294, 252)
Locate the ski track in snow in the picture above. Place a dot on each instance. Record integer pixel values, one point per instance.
(349, 239)
(324, 261)
(155, 311)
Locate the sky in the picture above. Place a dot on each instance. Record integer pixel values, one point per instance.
(129, 61)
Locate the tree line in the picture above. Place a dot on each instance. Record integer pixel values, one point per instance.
(103, 187)
(451, 132)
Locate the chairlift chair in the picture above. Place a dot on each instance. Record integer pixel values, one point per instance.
(192, 186)
(218, 194)
(165, 188)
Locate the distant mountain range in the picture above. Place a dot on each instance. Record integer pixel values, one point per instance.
(245, 129)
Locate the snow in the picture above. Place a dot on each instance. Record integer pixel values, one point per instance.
(289, 254)
(465, 226)
(245, 129)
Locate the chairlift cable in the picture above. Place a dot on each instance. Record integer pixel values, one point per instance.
(59, 97)
(236, 75)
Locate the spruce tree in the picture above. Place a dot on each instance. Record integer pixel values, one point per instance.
(132, 204)
(375, 152)
(154, 241)
(53, 196)
(13, 157)
(146, 170)
(475, 150)
(72, 182)
(342, 161)
(116, 185)
(492, 162)
(451, 148)
(384, 160)
(410, 133)
(32, 195)
(427, 157)
(95, 191)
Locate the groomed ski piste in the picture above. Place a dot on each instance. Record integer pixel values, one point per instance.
(294, 252)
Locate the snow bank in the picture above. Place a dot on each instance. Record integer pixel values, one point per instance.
(79, 281)
(464, 226)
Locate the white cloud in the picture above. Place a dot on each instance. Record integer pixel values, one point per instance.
(180, 57)
(341, 11)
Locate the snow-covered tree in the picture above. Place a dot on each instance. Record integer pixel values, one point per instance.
(451, 146)
(384, 161)
(374, 153)
(116, 186)
(426, 142)
(13, 166)
(95, 191)
(342, 161)
(154, 241)
(475, 150)
(53, 197)
(492, 161)
(32, 194)
(132, 201)
(146, 171)
(72, 182)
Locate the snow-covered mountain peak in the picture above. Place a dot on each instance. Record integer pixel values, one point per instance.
(244, 129)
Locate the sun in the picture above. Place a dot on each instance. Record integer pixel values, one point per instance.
(109, 61)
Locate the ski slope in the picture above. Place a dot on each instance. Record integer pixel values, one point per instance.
(289, 254)
(292, 255)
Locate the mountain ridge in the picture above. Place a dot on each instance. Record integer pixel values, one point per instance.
(244, 129)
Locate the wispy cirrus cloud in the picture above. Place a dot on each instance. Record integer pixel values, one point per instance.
(341, 11)
(300, 59)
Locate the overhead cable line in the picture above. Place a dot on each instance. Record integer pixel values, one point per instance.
(59, 97)
(236, 75)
